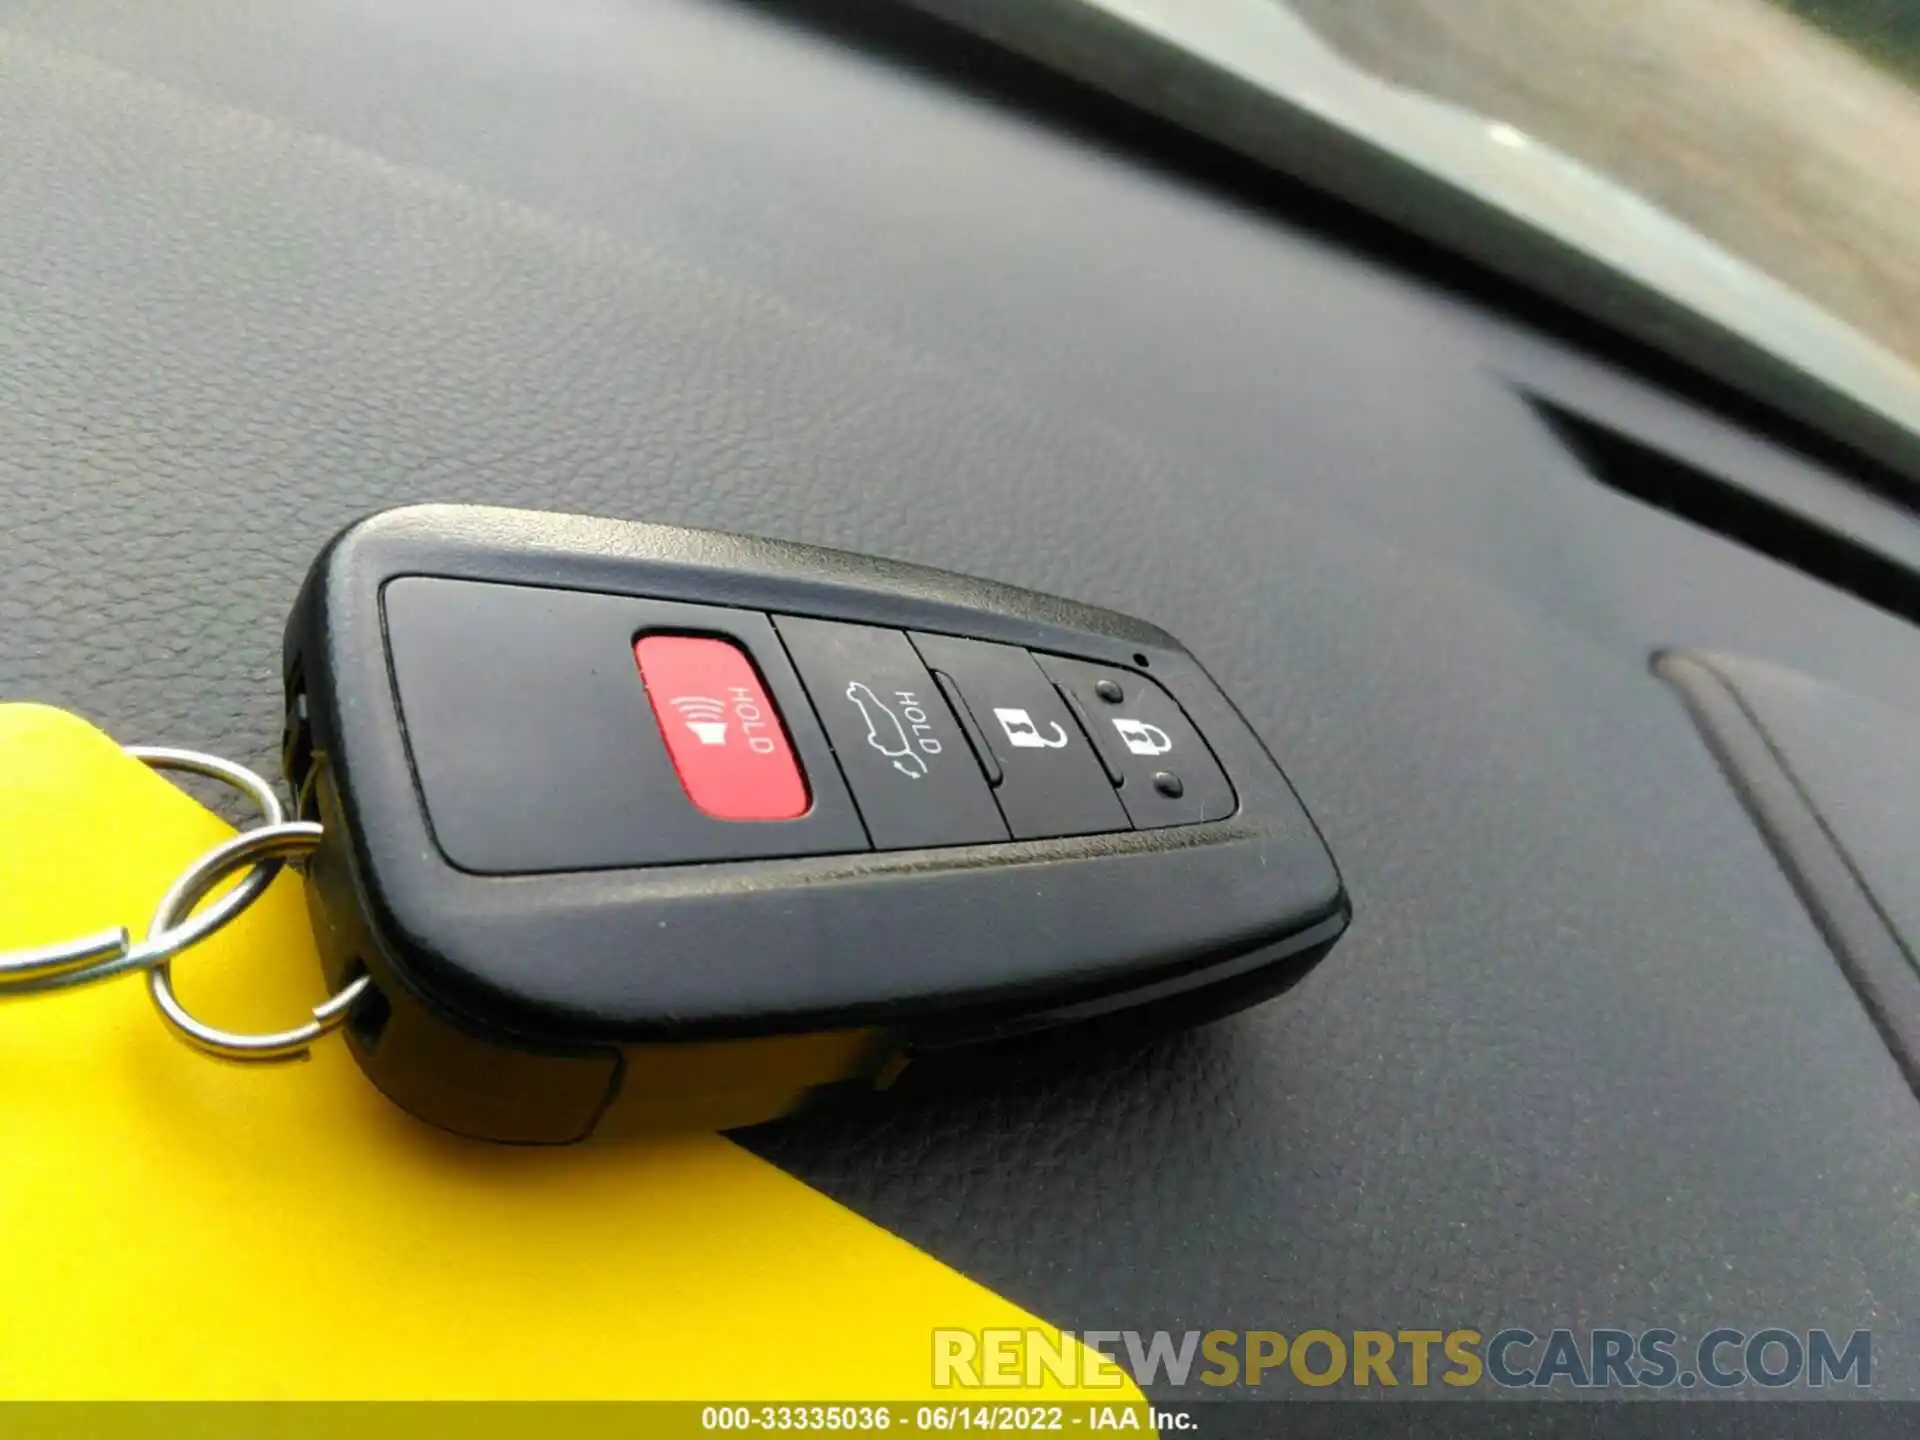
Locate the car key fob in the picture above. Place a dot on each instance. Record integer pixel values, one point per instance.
(634, 826)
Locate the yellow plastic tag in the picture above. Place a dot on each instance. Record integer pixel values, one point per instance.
(174, 1227)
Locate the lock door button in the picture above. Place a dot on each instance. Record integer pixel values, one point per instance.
(1165, 772)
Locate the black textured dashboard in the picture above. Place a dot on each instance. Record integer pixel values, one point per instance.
(1583, 1057)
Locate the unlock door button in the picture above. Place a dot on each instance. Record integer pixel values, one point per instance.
(1052, 782)
(1166, 773)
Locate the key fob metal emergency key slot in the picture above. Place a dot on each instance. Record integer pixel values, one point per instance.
(634, 825)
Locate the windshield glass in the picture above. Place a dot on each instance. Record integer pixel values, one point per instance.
(1787, 132)
(1735, 182)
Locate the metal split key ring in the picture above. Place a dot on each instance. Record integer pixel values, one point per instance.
(265, 848)
(108, 954)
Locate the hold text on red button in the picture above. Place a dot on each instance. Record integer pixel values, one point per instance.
(722, 731)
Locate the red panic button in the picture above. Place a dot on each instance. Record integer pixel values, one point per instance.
(722, 731)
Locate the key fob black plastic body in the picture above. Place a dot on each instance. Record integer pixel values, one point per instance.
(634, 825)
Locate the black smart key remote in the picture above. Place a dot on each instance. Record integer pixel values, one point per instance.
(633, 825)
